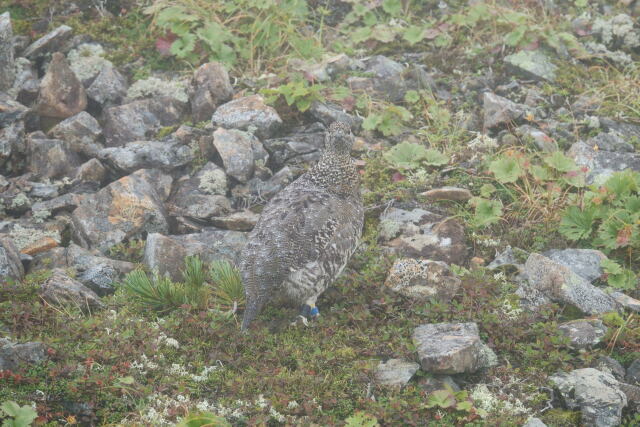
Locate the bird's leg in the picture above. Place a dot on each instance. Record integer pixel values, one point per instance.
(309, 309)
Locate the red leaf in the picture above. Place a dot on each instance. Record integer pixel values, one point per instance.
(163, 44)
(397, 177)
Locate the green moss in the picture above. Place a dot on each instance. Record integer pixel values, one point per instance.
(562, 418)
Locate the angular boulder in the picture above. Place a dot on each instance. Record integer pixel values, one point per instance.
(249, 111)
(395, 372)
(146, 155)
(10, 264)
(60, 289)
(211, 87)
(61, 93)
(16, 355)
(7, 66)
(82, 132)
(423, 279)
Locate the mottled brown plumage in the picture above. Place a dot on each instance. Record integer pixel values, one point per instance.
(307, 232)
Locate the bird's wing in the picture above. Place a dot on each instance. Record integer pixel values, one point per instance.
(297, 226)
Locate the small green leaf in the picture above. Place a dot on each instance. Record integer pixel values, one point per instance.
(516, 36)
(560, 162)
(406, 155)
(577, 224)
(435, 158)
(540, 173)
(487, 211)
(411, 96)
(441, 399)
(465, 406)
(610, 266)
(372, 121)
(487, 190)
(392, 7)
(506, 170)
(625, 280)
(414, 34)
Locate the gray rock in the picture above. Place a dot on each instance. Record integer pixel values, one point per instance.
(422, 279)
(12, 149)
(7, 66)
(602, 164)
(66, 202)
(48, 43)
(249, 111)
(448, 193)
(44, 191)
(451, 348)
(610, 365)
(633, 373)
(624, 300)
(534, 422)
(239, 221)
(165, 254)
(259, 191)
(95, 272)
(610, 141)
(583, 333)
(61, 93)
(86, 61)
(211, 179)
(156, 87)
(211, 87)
(140, 120)
(108, 88)
(499, 111)
(146, 155)
(302, 145)
(584, 262)
(395, 372)
(543, 141)
(82, 132)
(125, 209)
(633, 397)
(422, 234)
(14, 355)
(236, 150)
(91, 173)
(189, 200)
(596, 394)
(627, 130)
(10, 264)
(329, 113)
(26, 84)
(60, 289)
(10, 111)
(508, 257)
(437, 382)
(51, 158)
(533, 64)
(389, 79)
(551, 281)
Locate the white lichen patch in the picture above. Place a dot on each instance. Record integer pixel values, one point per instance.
(617, 30)
(40, 215)
(20, 200)
(213, 182)
(24, 237)
(87, 60)
(485, 399)
(153, 87)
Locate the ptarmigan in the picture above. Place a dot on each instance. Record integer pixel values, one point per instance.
(306, 233)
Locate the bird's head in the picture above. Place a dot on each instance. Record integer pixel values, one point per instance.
(339, 138)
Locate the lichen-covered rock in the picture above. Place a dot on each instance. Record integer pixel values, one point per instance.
(533, 64)
(423, 279)
(16, 355)
(108, 88)
(610, 141)
(395, 372)
(624, 300)
(86, 61)
(10, 111)
(210, 88)
(236, 148)
(61, 93)
(125, 209)
(48, 43)
(618, 32)
(60, 289)
(12, 149)
(51, 158)
(248, 112)
(211, 179)
(82, 132)
(301, 145)
(418, 233)
(26, 84)
(10, 265)
(633, 397)
(140, 120)
(189, 200)
(610, 365)
(602, 164)
(584, 262)
(543, 141)
(452, 348)
(534, 422)
(146, 155)
(448, 193)
(596, 394)
(499, 111)
(165, 254)
(328, 113)
(66, 202)
(633, 373)
(257, 189)
(239, 221)
(552, 281)
(583, 333)
(154, 87)
(7, 66)
(91, 174)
